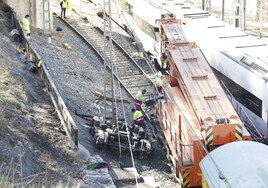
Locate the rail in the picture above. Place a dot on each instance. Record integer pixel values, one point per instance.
(130, 74)
(62, 111)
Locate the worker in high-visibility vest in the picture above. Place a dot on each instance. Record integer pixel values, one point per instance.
(64, 6)
(139, 99)
(26, 26)
(159, 83)
(138, 120)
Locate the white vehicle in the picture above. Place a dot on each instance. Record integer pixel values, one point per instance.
(140, 17)
(240, 60)
(238, 165)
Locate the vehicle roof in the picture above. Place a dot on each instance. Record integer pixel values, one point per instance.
(225, 37)
(242, 163)
(145, 10)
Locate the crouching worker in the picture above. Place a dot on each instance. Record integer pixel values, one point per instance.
(139, 99)
(138, 120)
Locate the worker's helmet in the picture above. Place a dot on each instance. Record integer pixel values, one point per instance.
(143, 91)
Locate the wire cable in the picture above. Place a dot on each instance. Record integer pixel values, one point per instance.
(128, 133)
(126, 124)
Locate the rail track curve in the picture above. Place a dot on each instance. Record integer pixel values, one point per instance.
(131, 74)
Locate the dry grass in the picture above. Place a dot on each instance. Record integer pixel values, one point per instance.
(39, 180)
(8, 181)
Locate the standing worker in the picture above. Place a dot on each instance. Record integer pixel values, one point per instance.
(139, 99)
(64, 6)
(159, 83)
(138, 120)
(26, 26)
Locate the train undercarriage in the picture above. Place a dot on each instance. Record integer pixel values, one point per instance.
(107, 135)
(110, 136)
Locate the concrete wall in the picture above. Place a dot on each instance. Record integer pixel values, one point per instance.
(32, 7)
(21, 7)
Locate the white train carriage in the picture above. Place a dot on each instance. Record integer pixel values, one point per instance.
(238, 164)
(241, 60)
(141, 17)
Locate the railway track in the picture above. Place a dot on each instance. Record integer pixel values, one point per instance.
(133, 74)
(71, 78)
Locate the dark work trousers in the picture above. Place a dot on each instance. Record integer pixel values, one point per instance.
(63, 12)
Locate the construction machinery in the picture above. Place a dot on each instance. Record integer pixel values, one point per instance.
(196, 115)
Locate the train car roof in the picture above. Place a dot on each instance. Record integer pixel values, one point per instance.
(247, 50)
(231, 36)
(182, 9)
(242, 164)
(202, 20)
(148, 10)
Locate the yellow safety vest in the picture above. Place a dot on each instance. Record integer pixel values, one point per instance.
(137, 114)
(159, 82)
(26, 25)
(64, 4)
(139, 96)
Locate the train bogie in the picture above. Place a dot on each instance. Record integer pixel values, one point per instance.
(107, 135)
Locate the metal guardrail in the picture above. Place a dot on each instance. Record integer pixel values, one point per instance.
(62, 111)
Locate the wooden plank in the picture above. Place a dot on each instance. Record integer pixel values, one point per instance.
(199, 77)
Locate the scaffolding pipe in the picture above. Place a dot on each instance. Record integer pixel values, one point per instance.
(223, 10)
(260, 20)
(244, 14)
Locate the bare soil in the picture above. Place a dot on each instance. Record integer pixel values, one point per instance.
(32, 146)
